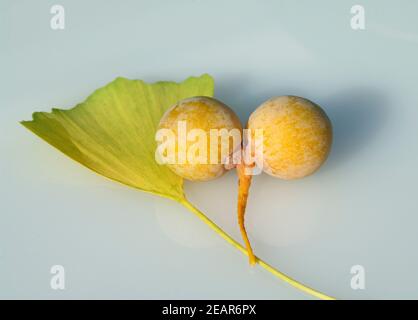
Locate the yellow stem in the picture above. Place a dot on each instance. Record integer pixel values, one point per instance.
(244, 183)
(263, 264)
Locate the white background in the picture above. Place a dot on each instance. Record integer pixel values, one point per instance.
(116, 242)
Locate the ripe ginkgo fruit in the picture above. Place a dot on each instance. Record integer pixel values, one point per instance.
(201, 133)
(296, 140)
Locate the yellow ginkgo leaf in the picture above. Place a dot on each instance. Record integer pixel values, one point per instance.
(113, 134)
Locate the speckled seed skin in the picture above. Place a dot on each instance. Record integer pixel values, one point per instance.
(200, 113)
(297, 136)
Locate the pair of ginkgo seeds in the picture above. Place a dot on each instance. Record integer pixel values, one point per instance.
(296, 140)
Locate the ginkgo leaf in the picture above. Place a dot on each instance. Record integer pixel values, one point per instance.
(113, 134)
(113, 131)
